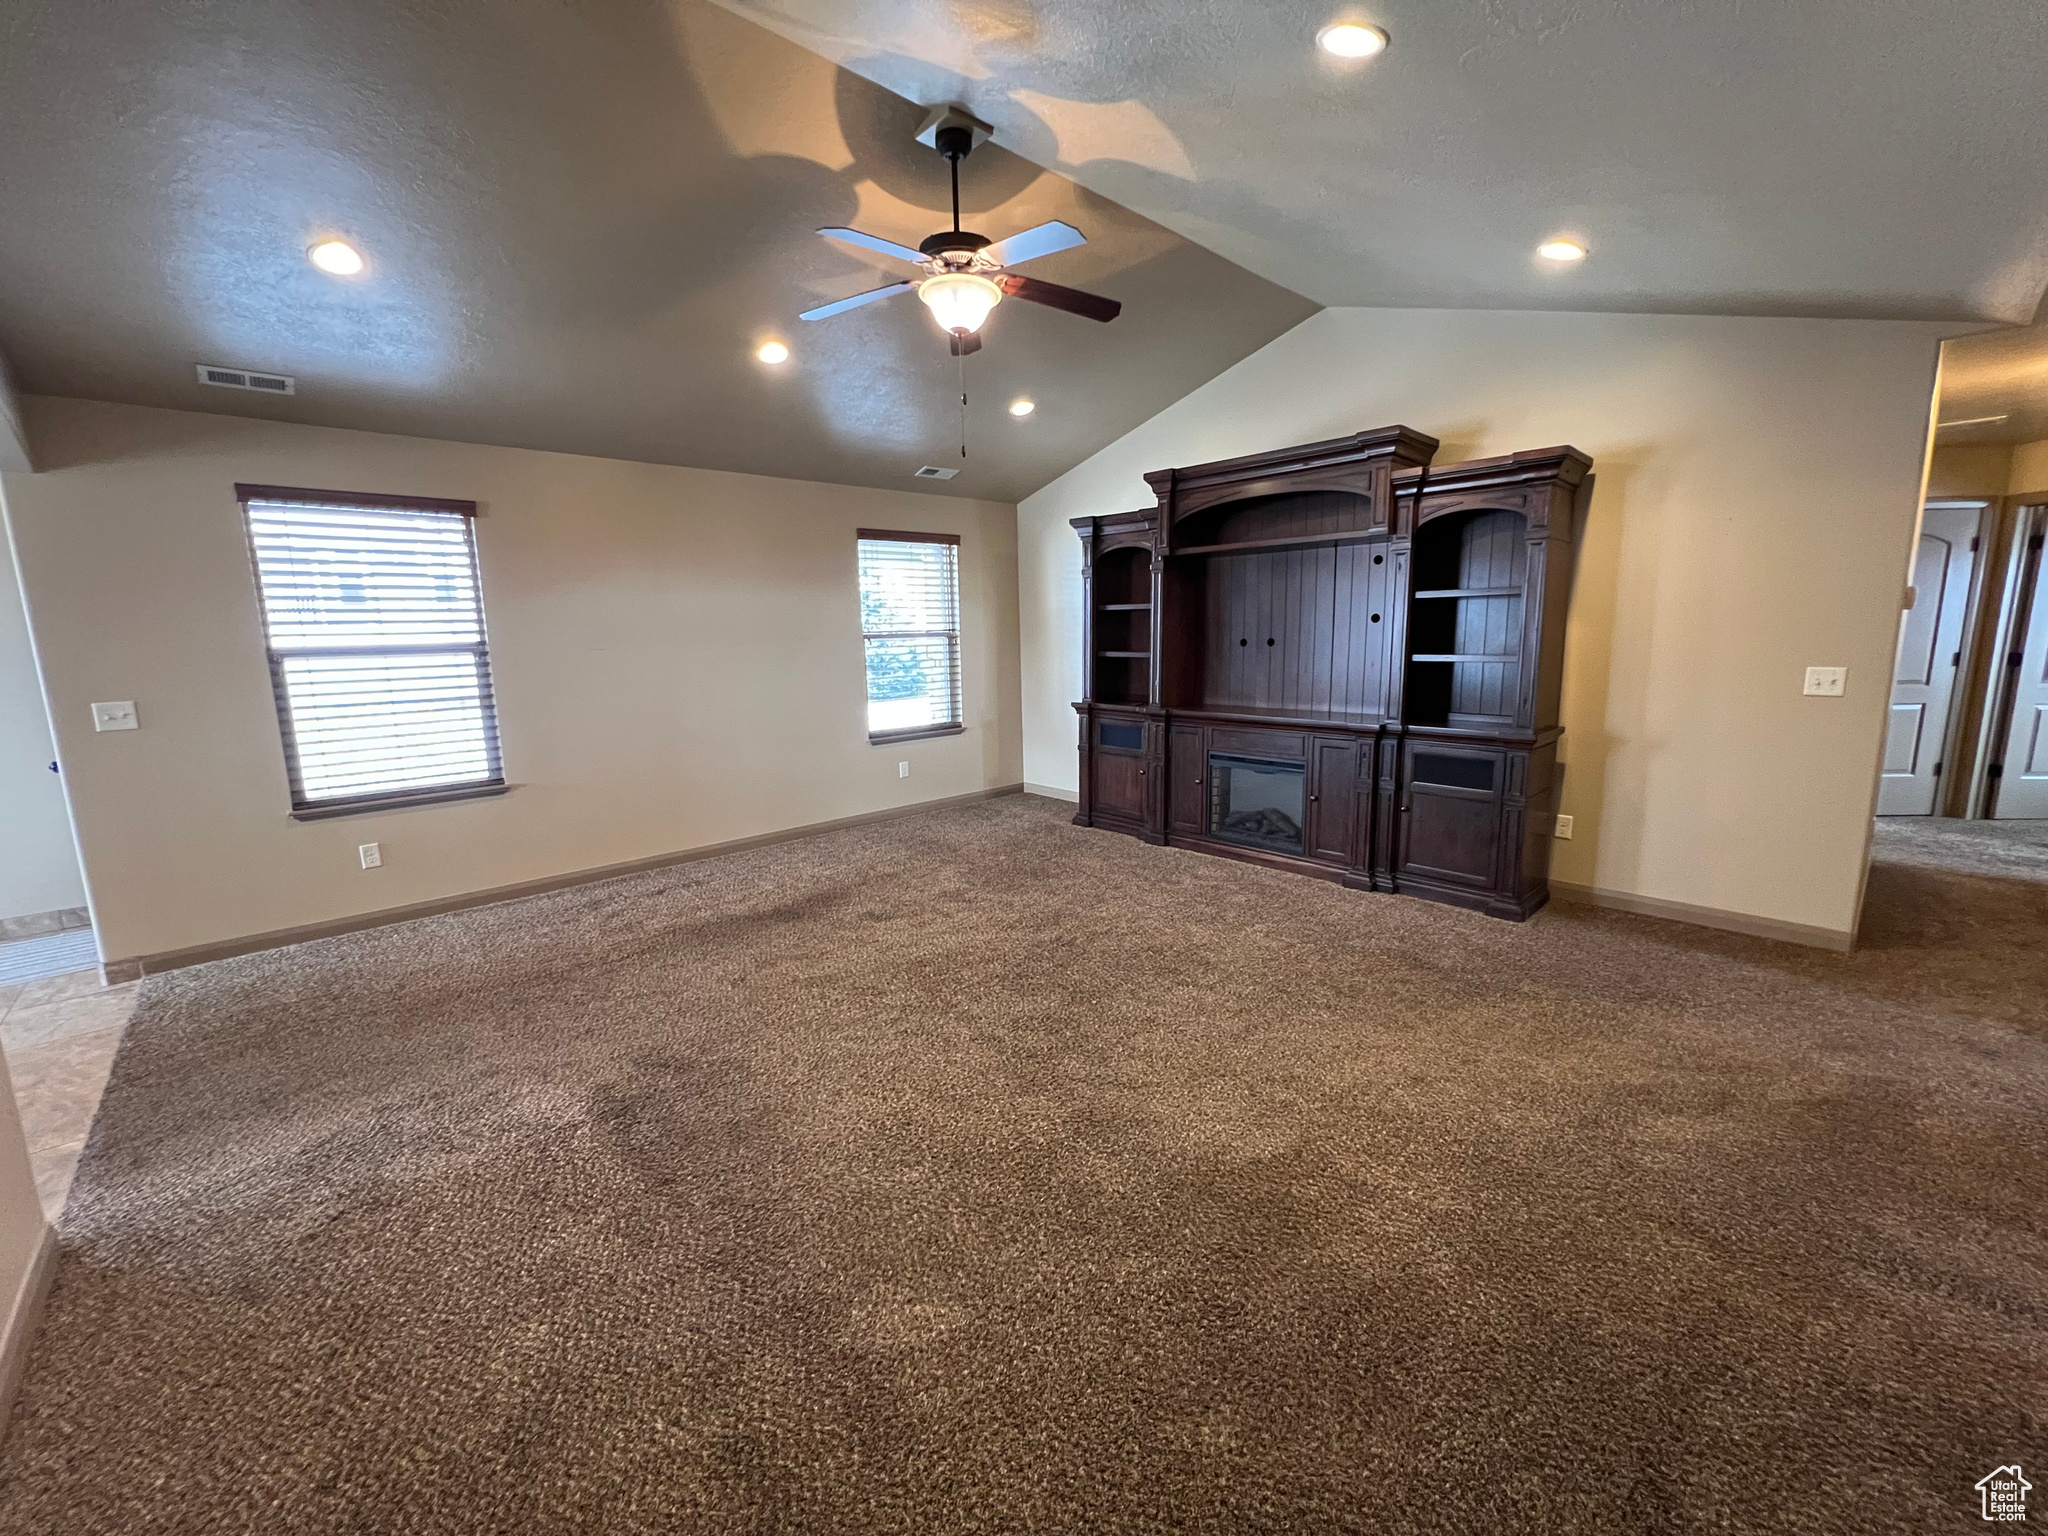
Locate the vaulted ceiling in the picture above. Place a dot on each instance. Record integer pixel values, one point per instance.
(580, 222)
(1884, 158)
(582, 216)
(1994, 388)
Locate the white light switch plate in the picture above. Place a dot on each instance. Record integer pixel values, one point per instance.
(372, 854)
(114, 717)
(1826, 682)
(903, 770)
(1564, 828)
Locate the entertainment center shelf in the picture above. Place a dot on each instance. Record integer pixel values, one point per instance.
(1337, 659)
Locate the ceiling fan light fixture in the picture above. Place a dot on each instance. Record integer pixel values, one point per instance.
(959, 301)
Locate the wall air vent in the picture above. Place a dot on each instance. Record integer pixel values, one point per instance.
(242, 378)
(933, 472)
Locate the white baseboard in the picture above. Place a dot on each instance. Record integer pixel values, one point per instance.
(1705, 917)
(22, 1316)
(1053, 792)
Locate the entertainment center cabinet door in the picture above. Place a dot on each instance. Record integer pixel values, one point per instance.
(1120, 786)
(1450, 832)
(1333, 800)
(1187, 794)
(1117, 770)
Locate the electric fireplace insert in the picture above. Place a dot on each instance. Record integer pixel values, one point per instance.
(1257, 802)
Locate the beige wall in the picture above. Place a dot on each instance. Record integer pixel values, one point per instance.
(676, 654)
(38, 865)
(1758, 485)
(1969, 471)
(2028, 475)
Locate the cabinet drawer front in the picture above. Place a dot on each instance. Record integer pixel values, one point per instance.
(1455, 770)
(1120, 735)
(1259, 743)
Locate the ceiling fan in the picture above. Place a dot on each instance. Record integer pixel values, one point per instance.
(967, 275)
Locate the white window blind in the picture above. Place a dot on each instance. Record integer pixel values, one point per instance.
(910, 623)
(375, 628)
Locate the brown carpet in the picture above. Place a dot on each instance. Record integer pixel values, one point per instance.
(978, 1173)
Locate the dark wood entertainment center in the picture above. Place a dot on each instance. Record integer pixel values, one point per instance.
(1338, 659)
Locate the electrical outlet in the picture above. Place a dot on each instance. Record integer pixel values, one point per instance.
(1826, 682)
(1564, 828)
(372, 854)
(114, 717)
(903, 770)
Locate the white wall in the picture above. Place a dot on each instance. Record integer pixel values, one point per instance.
(676, 655)
(38, 864)
(1758, 488)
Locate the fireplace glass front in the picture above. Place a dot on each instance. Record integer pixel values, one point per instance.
(1256, 802)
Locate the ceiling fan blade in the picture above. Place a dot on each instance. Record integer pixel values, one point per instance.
(841, 306)
(1034, 243)
(875, 243)
(962, 345)
(1072, 300)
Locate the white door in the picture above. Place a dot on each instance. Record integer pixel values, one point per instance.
(2022, 764)
(1930, 655)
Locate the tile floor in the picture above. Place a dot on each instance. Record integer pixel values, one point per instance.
(49, 954)
(60, 1034)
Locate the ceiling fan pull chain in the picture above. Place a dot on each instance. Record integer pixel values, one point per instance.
(962, 361)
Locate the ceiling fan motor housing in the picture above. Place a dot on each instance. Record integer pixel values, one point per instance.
(956, 243)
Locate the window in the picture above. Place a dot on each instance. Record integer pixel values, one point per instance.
(375, 627)
(910, 621)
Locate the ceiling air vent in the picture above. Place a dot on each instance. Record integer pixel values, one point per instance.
(242, 378)
(933, 472)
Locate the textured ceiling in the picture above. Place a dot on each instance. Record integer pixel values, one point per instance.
(1999, 373)
(581, 218)
(1883, 158)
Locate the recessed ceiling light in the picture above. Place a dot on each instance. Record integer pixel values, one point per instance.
(1023, 407)
(1973, 421)
(336, 256)
(1561, 250)
(773, 352)
(1352, 40)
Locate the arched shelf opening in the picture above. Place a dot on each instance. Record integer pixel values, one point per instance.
(1262, 521)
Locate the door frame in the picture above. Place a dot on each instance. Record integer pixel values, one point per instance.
(1950, 772)
(2025, 565)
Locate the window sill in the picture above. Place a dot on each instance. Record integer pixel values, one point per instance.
(397, 802)
(890, 738)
